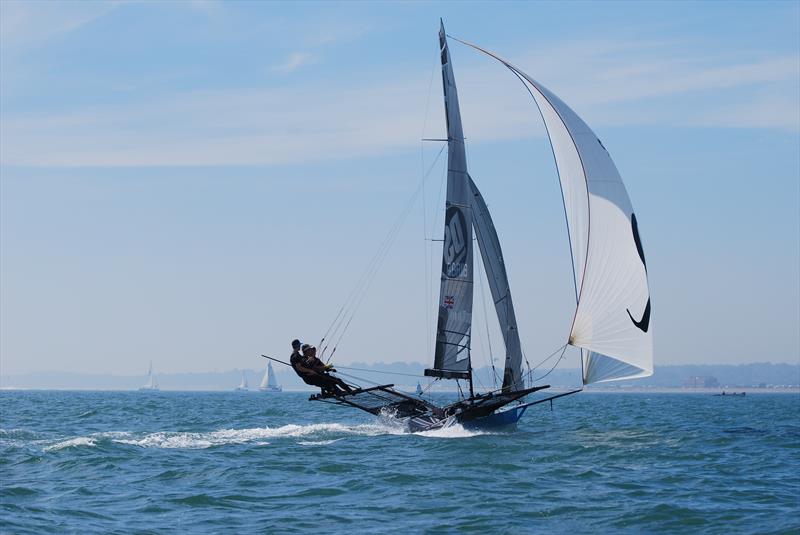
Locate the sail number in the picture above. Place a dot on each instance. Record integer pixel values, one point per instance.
(454, 259)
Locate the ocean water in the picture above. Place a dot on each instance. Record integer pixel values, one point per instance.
(254, 463)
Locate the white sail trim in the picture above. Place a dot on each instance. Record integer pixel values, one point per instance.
(599, 368)
(612, 318)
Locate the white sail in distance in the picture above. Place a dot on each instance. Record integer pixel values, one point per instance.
(266, 379)
(272, 382)
(612, 317)
(152, 381)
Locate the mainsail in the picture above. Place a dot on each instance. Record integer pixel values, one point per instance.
(492, 254)
(271, 381)
(152, 381)
(612, 318)
(267, 377)
(454, 323)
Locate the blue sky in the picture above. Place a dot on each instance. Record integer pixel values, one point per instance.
(199, 182)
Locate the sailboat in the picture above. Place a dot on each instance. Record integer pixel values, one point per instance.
(242, 385)
(269, 383)
(611, 326)
(152, 381)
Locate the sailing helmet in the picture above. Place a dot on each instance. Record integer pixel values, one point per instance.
(295, 343)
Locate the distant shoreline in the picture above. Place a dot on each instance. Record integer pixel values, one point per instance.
(590, 390)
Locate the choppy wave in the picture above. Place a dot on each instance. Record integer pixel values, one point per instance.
(71, 443)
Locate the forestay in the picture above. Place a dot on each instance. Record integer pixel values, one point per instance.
(492, 255)
(453, 329)
(612, 318)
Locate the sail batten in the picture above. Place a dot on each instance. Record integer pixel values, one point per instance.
(612, 316)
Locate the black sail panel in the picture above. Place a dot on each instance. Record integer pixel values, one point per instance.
(492, 255)
(454, 323)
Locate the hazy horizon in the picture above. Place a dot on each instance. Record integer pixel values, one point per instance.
(407, 375)
(378, 364)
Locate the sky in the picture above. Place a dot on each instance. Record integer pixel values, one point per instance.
(199, 182)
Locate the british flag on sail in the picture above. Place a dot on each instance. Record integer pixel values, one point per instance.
(449, 301)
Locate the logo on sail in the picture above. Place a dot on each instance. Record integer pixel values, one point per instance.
(454, 264)
(644, 323)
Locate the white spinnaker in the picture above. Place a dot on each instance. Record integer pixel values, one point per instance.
(612, 319)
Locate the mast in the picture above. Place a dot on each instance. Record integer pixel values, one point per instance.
(454, 325)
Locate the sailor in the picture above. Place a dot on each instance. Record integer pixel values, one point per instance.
(334, 384)
(309, 375)
(310, 354)
(296, 346)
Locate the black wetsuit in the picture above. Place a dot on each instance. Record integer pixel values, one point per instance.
(324, 381)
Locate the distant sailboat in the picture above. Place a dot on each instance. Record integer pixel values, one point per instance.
(418, 391)
(152, 382)
(269, 383)
(243, 385)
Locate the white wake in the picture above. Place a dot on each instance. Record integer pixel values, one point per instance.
(313, 435)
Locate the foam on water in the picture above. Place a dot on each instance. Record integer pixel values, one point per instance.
(326, 432)
(318, 442)
(169, 440)
(71, 443)
(452, 431)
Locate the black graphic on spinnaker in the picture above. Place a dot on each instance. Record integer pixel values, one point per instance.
(643, 323)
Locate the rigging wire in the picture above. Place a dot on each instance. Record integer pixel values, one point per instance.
(528, 364)
(562, 349)
(433, 299)
(554, 365)
(379, 371)
(427, 266)
(486, 321)
(343, 320)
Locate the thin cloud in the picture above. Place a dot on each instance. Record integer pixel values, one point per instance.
(295, 61)
(23, 23)
(301, 124)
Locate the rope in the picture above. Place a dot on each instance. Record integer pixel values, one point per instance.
(378, 371)
(486, 321)
(563, 350)
(347, 312)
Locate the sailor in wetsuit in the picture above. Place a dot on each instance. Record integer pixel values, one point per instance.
(315, 377)
(335, 385)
